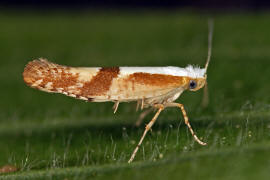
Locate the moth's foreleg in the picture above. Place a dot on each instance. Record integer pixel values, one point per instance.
(147, 128)
(181, 106)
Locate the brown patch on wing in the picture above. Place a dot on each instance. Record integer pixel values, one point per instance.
(157, 79)
(100, 83)
(48, 76)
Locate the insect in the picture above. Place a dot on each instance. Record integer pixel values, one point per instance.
(151, 87)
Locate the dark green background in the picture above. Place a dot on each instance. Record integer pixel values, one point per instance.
(53, 136)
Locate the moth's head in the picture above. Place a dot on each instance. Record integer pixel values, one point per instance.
(195, 84)
(196, 77)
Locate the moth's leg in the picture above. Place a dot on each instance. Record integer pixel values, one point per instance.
(142, 105)
(138, 105)
(181, 106)
(142, 116)
(147, 128)
(115, 106)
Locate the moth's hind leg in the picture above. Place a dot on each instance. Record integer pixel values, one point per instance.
(181, 106)
(142, 116)
(147, 128)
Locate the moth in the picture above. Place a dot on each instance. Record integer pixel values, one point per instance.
(151, 87)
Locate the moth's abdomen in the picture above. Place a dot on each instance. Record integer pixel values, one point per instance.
(44, 75)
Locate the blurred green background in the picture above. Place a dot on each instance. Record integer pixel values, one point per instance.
(51, 136)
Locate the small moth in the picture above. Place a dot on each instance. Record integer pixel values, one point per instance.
(151, 87)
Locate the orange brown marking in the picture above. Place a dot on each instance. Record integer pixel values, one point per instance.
(59, 76)
(100, 83)
(157, 79)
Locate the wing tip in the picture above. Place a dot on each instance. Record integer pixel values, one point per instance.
(34, 69)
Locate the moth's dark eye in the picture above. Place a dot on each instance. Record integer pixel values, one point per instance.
(192, 84)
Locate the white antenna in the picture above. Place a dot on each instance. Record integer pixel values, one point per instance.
(210, 37)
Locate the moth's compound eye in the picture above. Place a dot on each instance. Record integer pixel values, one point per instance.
(192, 84)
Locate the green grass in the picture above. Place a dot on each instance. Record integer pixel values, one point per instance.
(50, 136)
